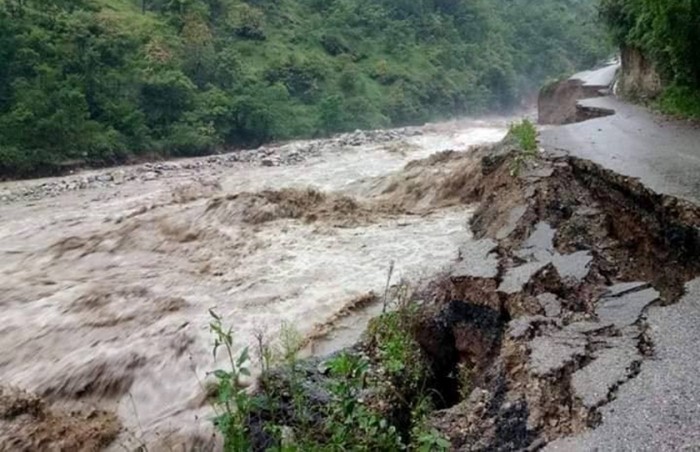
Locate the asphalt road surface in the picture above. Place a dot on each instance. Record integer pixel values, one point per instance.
(658, 410)
(664, 154)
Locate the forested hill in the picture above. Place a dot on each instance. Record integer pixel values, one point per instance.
(667, 33)
(100, 81)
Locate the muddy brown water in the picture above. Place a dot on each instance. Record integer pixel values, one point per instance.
(105, 292)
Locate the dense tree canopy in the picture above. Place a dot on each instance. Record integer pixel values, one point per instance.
(668, 32)
(98, 81)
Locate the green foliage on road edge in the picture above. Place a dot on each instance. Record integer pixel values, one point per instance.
(525, 135)
(668, 34)
(681, 101)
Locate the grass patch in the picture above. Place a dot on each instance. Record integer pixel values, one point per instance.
(525, 133)
(374, 396)
(680, 101)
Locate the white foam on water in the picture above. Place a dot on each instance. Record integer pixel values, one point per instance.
(115, 314)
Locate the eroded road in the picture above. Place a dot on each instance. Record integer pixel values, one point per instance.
(663, 154)
(659, 409)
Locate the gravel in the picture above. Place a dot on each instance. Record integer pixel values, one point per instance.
(289, 154)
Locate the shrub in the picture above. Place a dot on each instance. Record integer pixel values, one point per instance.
(247, 22)
(232, 401)
(681, 101)
(334, 44)
(374, 399)
(351, 424)
(526, 135)
(301, 77)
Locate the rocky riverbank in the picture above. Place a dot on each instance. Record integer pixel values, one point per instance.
(536, 329)
(289, 154)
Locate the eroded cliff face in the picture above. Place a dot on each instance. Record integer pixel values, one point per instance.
(545, 310)
(557, 102)
(582, 254)
(639, 78)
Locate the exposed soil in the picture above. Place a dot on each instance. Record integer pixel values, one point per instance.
(540, 358)
(557, 102)
(27, 424)
(580, 254)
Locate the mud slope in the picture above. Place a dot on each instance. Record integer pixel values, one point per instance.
(582, 255)
(558, 310)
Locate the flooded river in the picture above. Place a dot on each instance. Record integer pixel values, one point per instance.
(106, 290)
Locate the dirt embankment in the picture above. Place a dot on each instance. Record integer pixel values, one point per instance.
(579, 254)
(639, 78)
(582, 253)
(589, 252)
(557, 102)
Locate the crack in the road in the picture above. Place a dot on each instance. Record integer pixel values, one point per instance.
(567, 367)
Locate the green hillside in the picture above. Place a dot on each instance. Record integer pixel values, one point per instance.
(668, 33)
(100, 81)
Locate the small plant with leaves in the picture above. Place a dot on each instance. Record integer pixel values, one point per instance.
(233, 403)
(432, 441)
(289, 417)
(395, 345)
(391, 337)
(291, 344)
(352, 425)
(425, 438)
(525, 134)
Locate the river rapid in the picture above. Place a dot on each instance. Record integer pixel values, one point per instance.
(108, 281)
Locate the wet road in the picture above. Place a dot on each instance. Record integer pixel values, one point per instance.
(604, 76)
(659, 409)
(663, 154)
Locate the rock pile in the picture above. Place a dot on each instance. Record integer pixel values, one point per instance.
(292, 153)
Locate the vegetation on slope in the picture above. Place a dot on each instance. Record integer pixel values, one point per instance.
(101, 81)
(668, 32)
(374, 396)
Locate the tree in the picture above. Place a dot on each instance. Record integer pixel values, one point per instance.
(100, 81)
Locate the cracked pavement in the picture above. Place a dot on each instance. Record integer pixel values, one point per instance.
(663, 154)
(645, 403)
(659, 410)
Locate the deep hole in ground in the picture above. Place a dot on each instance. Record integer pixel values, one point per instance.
(628, 232)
